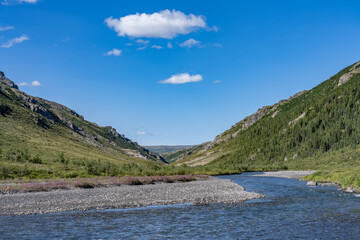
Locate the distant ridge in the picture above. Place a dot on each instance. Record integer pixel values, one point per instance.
(167, 148)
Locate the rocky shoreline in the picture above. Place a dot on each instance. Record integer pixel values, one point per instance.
(340, 188)
(211, 190)
(286, 174)
(300, 174)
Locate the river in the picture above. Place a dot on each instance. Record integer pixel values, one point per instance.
(291, 210)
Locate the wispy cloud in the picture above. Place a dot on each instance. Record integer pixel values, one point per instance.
(218, 45)
(142, 43)
(156, 47)
(182, 78)
(2, 29)
(13, 2)
(11, 42)
(33, 83)
(163, 24)
(169, 45)
(143, 133)
(217, 81)
(114, 52)
(66, 39)
(189, 43)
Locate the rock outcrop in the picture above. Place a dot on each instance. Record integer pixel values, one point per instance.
(250, 120)
(7, 81)
(347, 76)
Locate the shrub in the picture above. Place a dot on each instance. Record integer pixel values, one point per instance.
(36, 159)
(84, 184)
(61, 158)
(132, 181)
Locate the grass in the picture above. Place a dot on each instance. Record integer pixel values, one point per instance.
(33, 146)
(344, 177)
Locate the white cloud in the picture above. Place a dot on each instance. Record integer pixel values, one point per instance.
(13, 2)
(143, 42)
(182, 78)
(11, 42)
(35, 83)
(28, 1)
(22, 84)
(142, 48)
(218, 45)
(6, 28)
(163, 24)
(217, 81)
(169, 45)
(143, 133)
(114, 52)
(156, 47)
(189, 43)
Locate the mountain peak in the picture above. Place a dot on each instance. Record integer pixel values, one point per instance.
(7, 81)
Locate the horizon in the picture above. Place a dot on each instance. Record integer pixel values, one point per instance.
(176, 73)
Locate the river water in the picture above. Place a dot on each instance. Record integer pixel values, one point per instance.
(291, 210)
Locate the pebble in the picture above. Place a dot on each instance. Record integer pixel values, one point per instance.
(199, 192)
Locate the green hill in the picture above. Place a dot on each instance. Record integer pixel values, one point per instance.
(315, 129)
(179, 154)
(40, 138)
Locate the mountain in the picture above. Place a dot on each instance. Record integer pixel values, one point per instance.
(314, 129)
(167, 148)
(176, 155)
(38, 137)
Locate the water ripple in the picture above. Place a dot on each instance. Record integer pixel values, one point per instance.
(292, 210)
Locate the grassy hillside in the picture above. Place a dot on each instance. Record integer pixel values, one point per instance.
(315, 129)
(177, 155)
(40, 138)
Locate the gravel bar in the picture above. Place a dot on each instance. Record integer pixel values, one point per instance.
(198, 192)
(286, 174)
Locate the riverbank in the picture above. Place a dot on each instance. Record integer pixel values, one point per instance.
(347, 180)
(314, 178)
(198, 192)
(286, 174)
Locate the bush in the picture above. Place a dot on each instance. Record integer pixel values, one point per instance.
(36, 159)
(84, 184)
(132, 181)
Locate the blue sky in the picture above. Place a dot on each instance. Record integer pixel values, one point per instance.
(231, 58)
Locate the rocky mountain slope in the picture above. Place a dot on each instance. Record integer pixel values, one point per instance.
(33, 126)
(315, 129)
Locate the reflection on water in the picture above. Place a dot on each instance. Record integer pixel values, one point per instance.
(291, 210)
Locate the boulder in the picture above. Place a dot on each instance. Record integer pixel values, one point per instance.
(311, 183)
